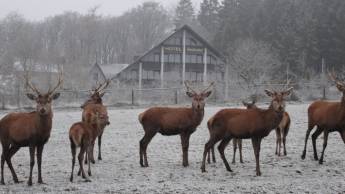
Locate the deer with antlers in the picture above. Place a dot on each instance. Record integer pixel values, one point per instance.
(244, 124)
(173, 121)
(28, 130)
(327, 117)
(94, 105)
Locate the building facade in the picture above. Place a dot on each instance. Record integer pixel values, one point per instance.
(184, 55)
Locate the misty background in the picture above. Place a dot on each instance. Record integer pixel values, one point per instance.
(264, 42)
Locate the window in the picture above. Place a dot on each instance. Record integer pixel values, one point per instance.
(171, 58)
(188, 58)
(193, 59)
(177, 58)
(199, 59)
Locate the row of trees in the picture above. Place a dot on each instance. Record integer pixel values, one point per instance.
(257, 37)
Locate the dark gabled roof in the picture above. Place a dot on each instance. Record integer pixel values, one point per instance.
(190, 30)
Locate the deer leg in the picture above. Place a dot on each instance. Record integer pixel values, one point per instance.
(4, 155)
(100, 146)
(81, 158)
(256, 145)
(39, 163)
(278, 135)
(235, 147)
(209, 156)
(284, 144)
(88, 151)
(143, 147)
(325, 139)
(11, 152)
(91, 155)
(314, 137)
(73, 151)
(221, 149)
(208, 146)
(185, 146)
(310, 127)
(213, 155)
(32, 163)
(240, 149)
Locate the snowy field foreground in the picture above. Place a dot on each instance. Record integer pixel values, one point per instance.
(120, 172)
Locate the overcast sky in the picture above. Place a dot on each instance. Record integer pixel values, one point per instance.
(39, 9)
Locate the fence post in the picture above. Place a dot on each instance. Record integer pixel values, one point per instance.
(176, 96)
(132, 96)
(3, 102)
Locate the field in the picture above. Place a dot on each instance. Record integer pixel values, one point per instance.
(120, 172)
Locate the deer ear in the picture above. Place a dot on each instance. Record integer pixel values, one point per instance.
(56, 96)
(31, 96)
(287, 92)
(207, 94)
(269, 93)
(190, 94)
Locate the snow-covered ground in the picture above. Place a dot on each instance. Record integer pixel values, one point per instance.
(120, 172)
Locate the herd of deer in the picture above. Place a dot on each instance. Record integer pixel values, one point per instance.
(33, 129)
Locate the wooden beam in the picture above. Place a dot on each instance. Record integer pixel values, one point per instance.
(162, 67)
(205, 66)
(140, 74)
(184, 57)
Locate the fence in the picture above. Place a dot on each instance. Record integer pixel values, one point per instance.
(159, 96)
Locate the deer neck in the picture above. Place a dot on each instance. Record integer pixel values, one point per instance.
(44, 122)
(272, 117)
(197, 115)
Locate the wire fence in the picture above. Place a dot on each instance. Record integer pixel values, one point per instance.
(168, 96)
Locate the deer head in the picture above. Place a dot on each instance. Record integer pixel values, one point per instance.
(97, 93)
(250, 105)
(43, 101)
(340, 85)
(198, 98)
(278, 99)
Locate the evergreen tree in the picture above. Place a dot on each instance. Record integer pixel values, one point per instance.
(209, 16)
(184, 13)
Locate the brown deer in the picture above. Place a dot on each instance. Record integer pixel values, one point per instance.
(244, 124)
(95, 104)
(328, 117)
(236, 142)
(83, 134)
(173, 121)
(28, 130)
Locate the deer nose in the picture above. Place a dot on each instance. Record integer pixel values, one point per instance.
(42, 111)
(281, 108)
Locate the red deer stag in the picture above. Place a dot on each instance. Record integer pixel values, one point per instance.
(327, 117)
(95, 104)
(244, 124)
(83, 134)
(173, 121)
(28, 129)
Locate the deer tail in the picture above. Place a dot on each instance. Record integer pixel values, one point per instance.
(140, 117)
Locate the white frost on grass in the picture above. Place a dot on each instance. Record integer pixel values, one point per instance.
(120, 172)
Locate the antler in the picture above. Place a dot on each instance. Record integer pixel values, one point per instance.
(186, 83)
(102, 86)
(28, 83)
(60, 81)
(333, 78)
(212, 83)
